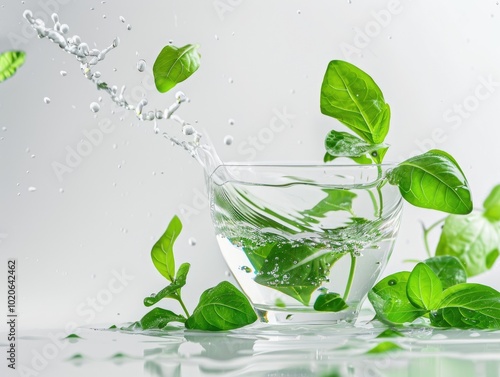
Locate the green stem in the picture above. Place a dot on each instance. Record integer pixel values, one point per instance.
(351, 277)
(426, 234)
(182, 305)
(379, 191)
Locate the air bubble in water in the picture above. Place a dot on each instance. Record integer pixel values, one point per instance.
(31, 189)
(63, 73)
(231, 122)
(115, 146)
(192, 241)
(122, 19)
(46, 100)
(141, 65)
(129, 27)
(94, 107)
(61, 190)
(299, 12)
(4, 128)
(228, 140)
(230, 80)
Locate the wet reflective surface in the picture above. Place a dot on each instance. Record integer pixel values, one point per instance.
(259, 350)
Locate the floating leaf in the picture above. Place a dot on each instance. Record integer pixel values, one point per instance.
(10, 61)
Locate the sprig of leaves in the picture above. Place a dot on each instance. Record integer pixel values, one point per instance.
(405, 296)
(432, 180)
(223, 307)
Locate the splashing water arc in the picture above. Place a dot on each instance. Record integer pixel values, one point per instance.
(89, 58)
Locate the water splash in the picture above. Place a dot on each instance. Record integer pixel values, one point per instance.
(90, 57)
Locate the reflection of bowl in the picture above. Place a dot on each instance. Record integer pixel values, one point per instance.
(293, 235)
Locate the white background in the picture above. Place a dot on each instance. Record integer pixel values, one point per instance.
(259, 58)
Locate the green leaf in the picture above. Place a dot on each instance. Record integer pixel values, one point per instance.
(336, 200)
(351, 96)
(162, 253)
(158, 318)
(172, 290)
(390, 301)
(10, 61)
(424, 288)
(297, 271)
(390, 333)
(343, 144)
(330, 302)
(384, 347)
(468, 306)
(473, 239)
(174, 65)
(492, 205)
(223, 307)
(433, 180)
(448, 269)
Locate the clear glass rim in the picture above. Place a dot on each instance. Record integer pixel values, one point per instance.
(299, 164)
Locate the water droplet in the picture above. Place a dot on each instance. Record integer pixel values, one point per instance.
(46, 100)
(33, 156)
(349, 1)
(389, 37)
(227, 273)
(64, 28)
(63, 73)
(230, 80)
(122, 19)
(124, 230)
(4, 128)
(31, 189)
(392, 282)
(94, 107)
(93, 276)
(129, 27)
(103, 16)
(192, 241)
(246, 269)
(228, 140)
(115, 146)
(61, 190)
(216, 37)
(187, 130)
(292, 91)
(141, 65)
(299, 12)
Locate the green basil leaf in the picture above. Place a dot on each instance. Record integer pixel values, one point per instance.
(473, 239)
(336, 200)
(351, 96)
(162, 253)
(172, 290)
(174, 65)
(448, 269)
(182, 272)
(223, 307)
(158, 318)
(296, 271)
(10, 61)
(433, 180)
(492, 205)
(385, 347)
(424, 288)
(388, 298)
(390, 333)
(330, 302)
(343, 144)
(468, 306)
